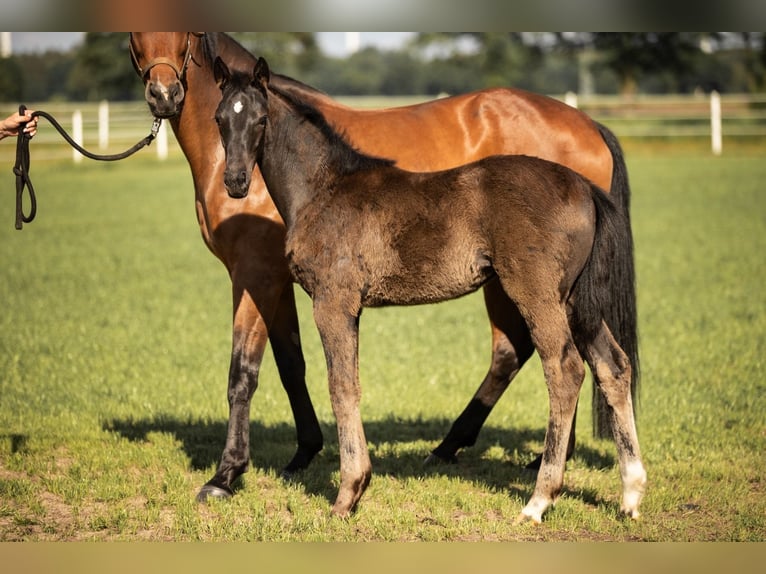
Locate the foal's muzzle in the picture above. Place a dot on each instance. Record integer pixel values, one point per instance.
(237, 183)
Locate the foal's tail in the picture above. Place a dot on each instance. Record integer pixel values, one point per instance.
(605, 291)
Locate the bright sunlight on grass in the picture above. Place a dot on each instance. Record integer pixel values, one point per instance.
(114, 352)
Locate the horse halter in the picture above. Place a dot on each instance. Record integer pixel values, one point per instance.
(179, 72)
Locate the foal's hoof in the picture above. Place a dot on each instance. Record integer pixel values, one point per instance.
(527, 519)
(433, 459)
(210, 491)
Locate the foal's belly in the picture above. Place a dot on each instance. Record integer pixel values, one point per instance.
(429, 281)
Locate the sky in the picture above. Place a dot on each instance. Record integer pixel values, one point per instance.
(332, 43)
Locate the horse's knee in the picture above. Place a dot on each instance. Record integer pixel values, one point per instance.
(243, 377)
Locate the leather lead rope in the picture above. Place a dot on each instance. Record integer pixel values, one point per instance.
(21, 168)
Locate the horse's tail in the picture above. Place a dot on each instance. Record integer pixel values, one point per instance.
(605, 290)
(620, 313)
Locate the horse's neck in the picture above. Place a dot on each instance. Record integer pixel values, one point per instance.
(324, 103)
(295, 160)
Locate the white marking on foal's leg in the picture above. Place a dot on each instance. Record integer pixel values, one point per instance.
(534, 509)
(633, 486)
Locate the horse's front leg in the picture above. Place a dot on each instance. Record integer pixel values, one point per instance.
(253, 311)
(284, 336)
(339, 331)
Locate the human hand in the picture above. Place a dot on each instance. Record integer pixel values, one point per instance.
(10, 125)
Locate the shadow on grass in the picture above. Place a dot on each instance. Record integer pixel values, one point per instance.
(271, 447)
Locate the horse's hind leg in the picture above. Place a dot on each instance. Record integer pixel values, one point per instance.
(511, 347)
(607, 359)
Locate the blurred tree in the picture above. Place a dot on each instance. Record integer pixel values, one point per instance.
(290, 53)
(501, 58)
(11, 82)
(631, 55)
(103, 69)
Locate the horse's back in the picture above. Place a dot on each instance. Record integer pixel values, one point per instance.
(457, 130)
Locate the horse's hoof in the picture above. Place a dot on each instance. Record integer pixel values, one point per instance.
(288, 475)
(215, 492)
(434, 459)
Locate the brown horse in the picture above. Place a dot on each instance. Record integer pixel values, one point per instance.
(363, 233)
(248, 236)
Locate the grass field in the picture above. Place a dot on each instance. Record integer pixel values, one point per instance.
(114, 350)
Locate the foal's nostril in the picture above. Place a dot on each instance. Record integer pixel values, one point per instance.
(236, 183)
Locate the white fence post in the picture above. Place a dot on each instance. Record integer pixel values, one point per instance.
(77, 134)
(570, 99)
(162, 141)
(103, 124)
(715, 123)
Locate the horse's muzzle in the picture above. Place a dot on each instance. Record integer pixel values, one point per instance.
(237, 183)
(164, 101)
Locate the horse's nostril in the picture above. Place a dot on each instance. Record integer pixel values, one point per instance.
(154, 90)
(175, 91)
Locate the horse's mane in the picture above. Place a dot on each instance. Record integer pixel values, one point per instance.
(211, 43)
(343, 154)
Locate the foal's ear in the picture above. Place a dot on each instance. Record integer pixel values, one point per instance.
(261, 74)
(221, 72)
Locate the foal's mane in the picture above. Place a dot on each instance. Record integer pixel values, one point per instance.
(343, 155)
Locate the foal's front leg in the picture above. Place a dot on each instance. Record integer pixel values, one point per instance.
(339, 331)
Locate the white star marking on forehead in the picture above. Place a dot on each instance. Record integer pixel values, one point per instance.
(238, 107)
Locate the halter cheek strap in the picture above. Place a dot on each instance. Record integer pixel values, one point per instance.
(179, 72)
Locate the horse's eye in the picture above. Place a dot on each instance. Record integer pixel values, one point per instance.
(262, 120)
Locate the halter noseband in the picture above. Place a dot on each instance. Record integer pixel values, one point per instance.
(179, 72)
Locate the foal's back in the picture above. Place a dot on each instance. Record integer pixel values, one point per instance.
(405, 238)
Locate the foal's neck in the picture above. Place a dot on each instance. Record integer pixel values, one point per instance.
(296, 162)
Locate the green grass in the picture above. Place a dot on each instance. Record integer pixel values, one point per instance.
(114, 350)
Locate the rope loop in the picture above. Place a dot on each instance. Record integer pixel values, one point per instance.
(21, 168)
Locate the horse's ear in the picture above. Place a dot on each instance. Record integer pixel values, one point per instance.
(261, 74)
(221, 72)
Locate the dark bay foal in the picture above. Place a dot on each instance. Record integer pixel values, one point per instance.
(363, 233)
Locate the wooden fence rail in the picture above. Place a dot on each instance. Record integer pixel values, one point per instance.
(112, 127)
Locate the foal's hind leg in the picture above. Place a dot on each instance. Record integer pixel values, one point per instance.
(608, 360)
(564, 374)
